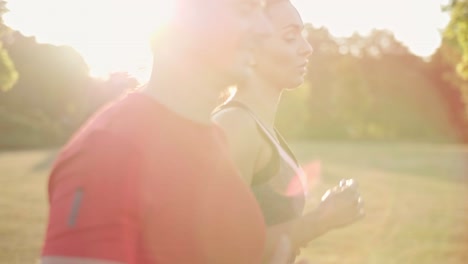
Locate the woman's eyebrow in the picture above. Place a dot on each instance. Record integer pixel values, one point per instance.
(295, 27)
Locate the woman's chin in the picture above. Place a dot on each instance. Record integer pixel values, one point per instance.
(295, 84)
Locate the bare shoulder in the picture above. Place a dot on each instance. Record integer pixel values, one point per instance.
(235, 119)
(243, 138)
(69, 260)
(239, 126)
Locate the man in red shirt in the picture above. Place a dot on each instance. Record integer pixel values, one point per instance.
(148, 178)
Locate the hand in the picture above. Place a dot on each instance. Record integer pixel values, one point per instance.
(341, 205)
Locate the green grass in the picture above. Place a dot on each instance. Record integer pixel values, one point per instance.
(416, 199)
(23, 206)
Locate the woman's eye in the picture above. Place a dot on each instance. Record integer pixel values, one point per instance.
(291, 36)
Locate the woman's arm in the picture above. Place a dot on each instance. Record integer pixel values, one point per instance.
(245, 145)
(340, 206)
(338, 209)
(299, 231)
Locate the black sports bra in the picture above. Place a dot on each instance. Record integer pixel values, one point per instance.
(270, 185)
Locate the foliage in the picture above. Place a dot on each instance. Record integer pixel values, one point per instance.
(54, 94)
(359, 88)
(457, 33)
(8, 74)
(454, 50)
(367, 87)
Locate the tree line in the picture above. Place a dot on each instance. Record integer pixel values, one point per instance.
(360, 88)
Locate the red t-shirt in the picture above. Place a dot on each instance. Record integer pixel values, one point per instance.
(140, 184)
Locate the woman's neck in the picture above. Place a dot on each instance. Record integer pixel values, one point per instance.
(261, 97)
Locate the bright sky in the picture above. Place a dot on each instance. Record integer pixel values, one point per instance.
(110, 34)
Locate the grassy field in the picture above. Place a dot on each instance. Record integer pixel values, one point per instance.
(416, 199)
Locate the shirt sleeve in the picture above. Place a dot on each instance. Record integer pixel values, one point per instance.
(94, 202)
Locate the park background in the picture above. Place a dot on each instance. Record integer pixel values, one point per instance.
(385, 106)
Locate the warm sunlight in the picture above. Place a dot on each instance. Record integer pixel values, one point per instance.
(417, 23)
(342, 125)
(111, 35)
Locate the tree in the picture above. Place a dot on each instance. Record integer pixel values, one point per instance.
(54, 94)
(365, 87)
(53, 79)
(442, 73)
(455, 47)
(8, 74)
(45, 105)
(457, 33)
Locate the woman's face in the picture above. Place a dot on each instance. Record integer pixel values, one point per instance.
(282, 57)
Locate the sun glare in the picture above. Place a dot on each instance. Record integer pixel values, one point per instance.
(111, 35)
(417, 22)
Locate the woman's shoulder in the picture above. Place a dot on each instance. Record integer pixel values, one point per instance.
(237, 123)
(243, 139)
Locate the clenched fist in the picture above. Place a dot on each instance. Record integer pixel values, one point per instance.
(341, 205)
